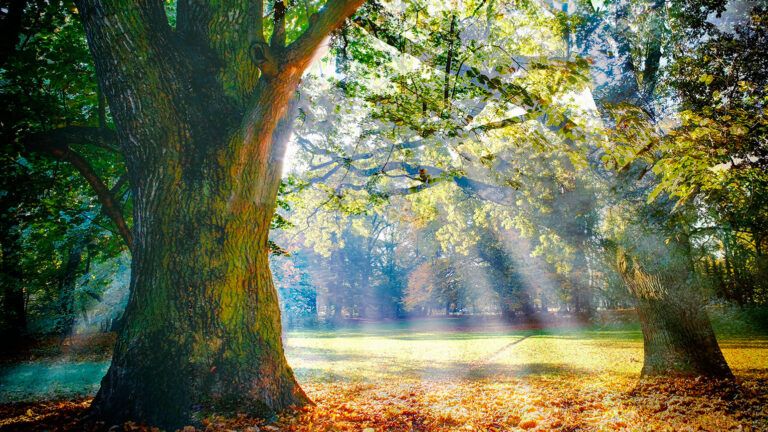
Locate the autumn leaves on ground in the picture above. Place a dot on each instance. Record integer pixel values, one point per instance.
(440, 375)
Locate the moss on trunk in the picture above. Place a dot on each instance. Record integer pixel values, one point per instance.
(202, 329)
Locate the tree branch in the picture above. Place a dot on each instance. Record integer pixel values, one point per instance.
(428, 176)
(308, 146)
(330, 17)
(57, 143)
(513, 92)
(256, 11)
(95, 137)
(118, 185)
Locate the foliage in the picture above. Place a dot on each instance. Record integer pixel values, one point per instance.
(49, 214)
(435, 283)
(298, 296)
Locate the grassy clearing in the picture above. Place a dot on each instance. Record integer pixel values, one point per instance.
(439, 356)
(438, 375)
(568, 379)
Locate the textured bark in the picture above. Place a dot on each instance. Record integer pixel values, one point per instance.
(203, 113)
(678, 338)
(202, 328)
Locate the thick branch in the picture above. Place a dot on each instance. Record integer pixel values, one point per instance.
(115, 191)
(308, 146)
(321, 24)
(495, 194)
(427, 176)
(96, 137)
(57, 143)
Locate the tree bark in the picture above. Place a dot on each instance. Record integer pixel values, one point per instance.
(202, 329)
(678, 339)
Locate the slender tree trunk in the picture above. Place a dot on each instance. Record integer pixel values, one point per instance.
(14, 304)
(67, 285)
(449, 60)
(507, 312)
(526, 305)
(14, 309)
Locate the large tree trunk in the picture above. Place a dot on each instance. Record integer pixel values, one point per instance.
(202, 329)
(200, 111)
(201, 332)
(678, 339)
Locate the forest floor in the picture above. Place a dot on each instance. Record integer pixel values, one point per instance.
(436, 375)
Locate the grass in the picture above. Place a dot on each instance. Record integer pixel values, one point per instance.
(437, 375)
(401, 377)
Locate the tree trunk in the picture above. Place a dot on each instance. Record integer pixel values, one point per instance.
(200, 111)
(67, 285)
(526, 305)
(11, 280)
(507, 311)
(201, 332)
(202, 329)
(678, 338)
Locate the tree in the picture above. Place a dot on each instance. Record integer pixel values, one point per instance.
(651, 241)
(506, 277)
(436, 283)
(716, 158)
(202, 110)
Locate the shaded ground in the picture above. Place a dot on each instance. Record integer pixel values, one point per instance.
(439, 376)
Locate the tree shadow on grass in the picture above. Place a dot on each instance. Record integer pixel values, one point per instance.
(498, 370)
(744, 344)
(327, 365)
